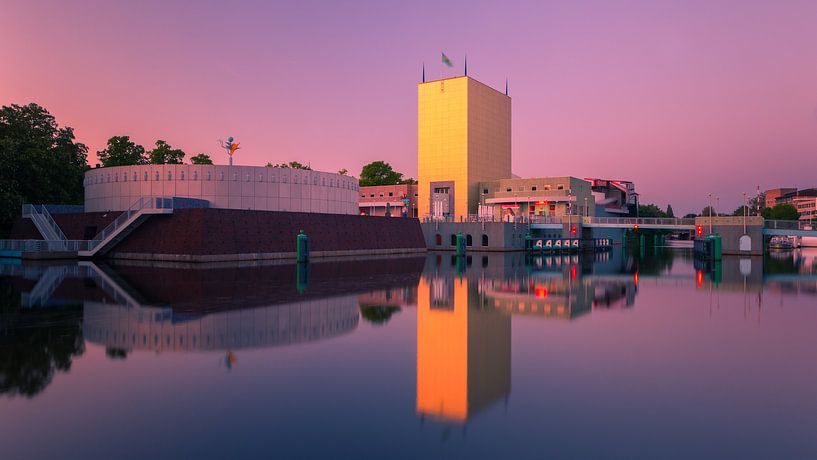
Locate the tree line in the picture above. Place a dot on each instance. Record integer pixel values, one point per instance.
(121, 151)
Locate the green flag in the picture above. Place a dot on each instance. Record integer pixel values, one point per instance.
(445, 60)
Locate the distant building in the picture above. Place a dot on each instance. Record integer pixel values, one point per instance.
(775, 193)
(614, 198)
(397, 200)
(507, 199)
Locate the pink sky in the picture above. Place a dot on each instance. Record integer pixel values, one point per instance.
(682, 97)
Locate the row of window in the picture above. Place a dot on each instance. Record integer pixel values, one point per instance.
(371, 195)
(468, 240)
(521, 188)
(332, 182)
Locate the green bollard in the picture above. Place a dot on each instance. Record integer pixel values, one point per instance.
(302, 247)
(460, 244)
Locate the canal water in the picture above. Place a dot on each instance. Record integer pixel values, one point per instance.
(613, 355)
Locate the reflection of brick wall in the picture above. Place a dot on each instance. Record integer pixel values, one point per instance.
(73, 225)
(229, 231)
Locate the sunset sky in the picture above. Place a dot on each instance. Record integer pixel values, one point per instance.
(682, 98)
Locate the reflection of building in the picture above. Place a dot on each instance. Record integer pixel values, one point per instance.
(463, 350)
(398, 200)
(162, 329)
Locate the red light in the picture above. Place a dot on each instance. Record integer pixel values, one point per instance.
(699, 230)
(635, 227)
(699, 277)
(573, 272)
(635, 278)
(573, 229)
(541, 292)
(542, 203)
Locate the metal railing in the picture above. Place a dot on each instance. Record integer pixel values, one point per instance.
(789, 225)
(123, 219)
(44, 245)
(657, 221)
(42, 219)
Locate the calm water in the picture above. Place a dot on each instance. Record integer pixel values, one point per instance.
(613, 355)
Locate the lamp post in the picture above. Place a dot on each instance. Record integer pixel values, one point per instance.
(710, 213)
(586, 211)
(745, 211)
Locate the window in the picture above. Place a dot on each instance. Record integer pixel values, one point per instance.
(380, 195)
(453, 240)
(116, 177)
(438, 240)
(560, 187)
(169, 175)
(221, 176)
(371, 195)
(391, 193)
(247, 177)
(109, 177)
(157, 175)
(135, 176)
(485, 191)
(315, 180)
(521, 188)
(547, 187)
(363, 195)
(533, 188)
(260, 178)
(508, 189)
(415, 194)
(124, 177)
(235, 177)
(181, 175)
(146, 176)
(485, 240)
(468, 240)
(195, 175)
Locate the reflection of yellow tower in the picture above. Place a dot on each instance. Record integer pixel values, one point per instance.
(463, 137)
(463, 351)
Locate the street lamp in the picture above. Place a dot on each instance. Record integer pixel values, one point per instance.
(745, 211)
(710, 213)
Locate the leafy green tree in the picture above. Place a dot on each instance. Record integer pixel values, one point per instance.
(705, 212)
(781, 212)
(740, 211)
(378, 315)
(290, 165)
(669, 211)
(409, 181)
(121, 151)
(379, 173)
(165, 154)
(650, 210)
(39, 161)
(201, 159)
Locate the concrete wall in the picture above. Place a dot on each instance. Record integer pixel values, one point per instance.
(502, 236)
(224, 187)
(731, 229)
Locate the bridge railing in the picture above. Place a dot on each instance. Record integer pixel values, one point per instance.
(789, 225)
(646, 221)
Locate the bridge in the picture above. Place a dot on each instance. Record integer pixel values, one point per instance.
(547, 222)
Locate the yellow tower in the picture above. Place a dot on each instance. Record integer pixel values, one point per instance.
(463, 137)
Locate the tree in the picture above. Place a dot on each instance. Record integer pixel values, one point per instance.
(650, 210)
(705, 211)
(741, 210)
(669, 211)
(201, 159)
(165, 154)
(379, 173)
(409, 181)
(39, 161)
(290, 165)
(781, 212)
(121, 151)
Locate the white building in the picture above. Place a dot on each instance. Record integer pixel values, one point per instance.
(225, 187)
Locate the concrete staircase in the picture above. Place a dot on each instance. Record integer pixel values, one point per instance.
(128, 221)
(48, 228)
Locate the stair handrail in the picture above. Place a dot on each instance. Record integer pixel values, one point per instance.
(138, 206)
(52, 223)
